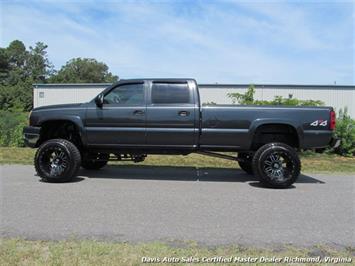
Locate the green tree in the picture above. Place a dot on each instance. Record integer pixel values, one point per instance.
(16, 56)
(4, 65)
(39, 66)
(19, 69)
(84, 70)
(243, 98)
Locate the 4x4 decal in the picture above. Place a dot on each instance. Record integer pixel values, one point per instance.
(321, 123)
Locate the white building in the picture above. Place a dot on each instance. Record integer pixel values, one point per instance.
(332, 95)
(50, 94)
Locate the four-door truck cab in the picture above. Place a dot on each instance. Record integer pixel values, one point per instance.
(133, 118)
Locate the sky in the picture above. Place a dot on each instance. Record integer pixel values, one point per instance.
(292, 42)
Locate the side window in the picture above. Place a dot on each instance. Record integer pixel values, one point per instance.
(127, 94)
(170, 93)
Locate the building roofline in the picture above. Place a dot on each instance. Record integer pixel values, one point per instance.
(205, 86)
(281, 86)
(69, 84)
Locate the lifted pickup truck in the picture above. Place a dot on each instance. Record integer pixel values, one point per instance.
(133, 118)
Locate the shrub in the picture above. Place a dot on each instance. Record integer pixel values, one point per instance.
(243, 98)
(208, 103)
(248, 98)
(11, 125)
(345, 131)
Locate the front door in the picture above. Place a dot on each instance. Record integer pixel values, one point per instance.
(171, 115)
(121, 119)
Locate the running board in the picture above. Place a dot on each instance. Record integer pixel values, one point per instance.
(220, 155)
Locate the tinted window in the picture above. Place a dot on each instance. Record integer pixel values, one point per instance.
(128, 94)
(166, 93)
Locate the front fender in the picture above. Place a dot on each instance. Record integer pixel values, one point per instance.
(76, 119)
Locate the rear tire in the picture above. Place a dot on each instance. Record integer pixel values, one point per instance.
(276, 165)
(57, 160)
(95, 161)
(247, 164)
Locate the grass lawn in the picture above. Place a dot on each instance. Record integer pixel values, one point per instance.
(88, 252)
(315, 163)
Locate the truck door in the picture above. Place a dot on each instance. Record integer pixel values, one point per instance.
(171, 115)
(121, 119)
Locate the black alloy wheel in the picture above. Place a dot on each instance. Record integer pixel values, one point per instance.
(276, 165)
(57, 160)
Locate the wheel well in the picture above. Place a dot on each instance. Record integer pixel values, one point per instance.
(275, 133)
(62, 129)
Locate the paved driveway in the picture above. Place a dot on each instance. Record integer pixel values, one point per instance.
(211, 206)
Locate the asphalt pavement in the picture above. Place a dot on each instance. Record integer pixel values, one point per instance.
(210, 206)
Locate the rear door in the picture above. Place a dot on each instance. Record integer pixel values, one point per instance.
(171, 115)
(121, 119)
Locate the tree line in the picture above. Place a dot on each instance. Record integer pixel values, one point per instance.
(20, 67)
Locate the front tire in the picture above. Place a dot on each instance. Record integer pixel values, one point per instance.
(276, 165)
(57, 160)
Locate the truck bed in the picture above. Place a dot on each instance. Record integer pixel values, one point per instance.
(235, 125)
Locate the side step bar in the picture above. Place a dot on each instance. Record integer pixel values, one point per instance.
(220, 155)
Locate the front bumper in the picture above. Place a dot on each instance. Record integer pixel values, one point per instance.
(31, 136)
(334, 143)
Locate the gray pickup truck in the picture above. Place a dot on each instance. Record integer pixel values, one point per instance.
(133, 118)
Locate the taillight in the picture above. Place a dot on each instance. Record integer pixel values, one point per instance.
(332, 120)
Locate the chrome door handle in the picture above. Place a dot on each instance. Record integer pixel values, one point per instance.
(183, 113)
(138, 112)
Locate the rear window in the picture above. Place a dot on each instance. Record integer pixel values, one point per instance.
(170, 93)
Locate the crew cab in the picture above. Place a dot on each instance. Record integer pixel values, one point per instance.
(134, 118)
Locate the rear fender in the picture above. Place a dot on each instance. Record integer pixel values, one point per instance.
(267, 121)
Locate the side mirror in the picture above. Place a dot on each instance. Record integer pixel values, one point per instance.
(99, 100)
